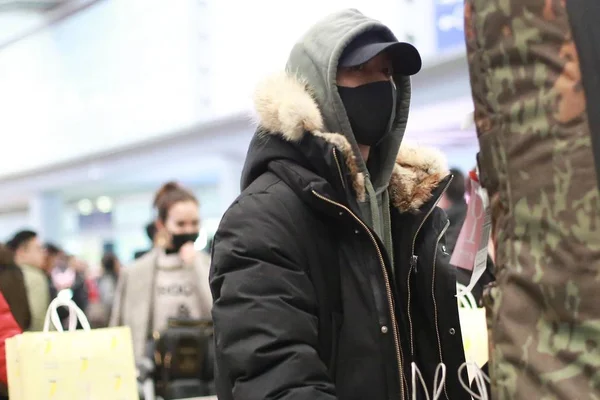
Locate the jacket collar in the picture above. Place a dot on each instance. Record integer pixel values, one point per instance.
(285, 106)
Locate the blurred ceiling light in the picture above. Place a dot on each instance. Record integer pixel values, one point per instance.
(104, 204)
(85, 206)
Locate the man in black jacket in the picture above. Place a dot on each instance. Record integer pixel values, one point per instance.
(330, 275)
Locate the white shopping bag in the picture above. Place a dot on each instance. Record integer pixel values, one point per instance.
(75, 365)
(473, 325)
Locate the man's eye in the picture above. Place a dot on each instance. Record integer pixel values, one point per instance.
(358, 67)
(388, 71)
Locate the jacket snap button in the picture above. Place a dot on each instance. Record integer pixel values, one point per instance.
(384, 329)
(340, 213)
(452, 331)
(356, 231)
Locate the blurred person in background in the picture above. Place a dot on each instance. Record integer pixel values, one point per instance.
(101, 286)
(8, 328)
(329, 272)
(151, 233)
(79, 287)
(12, 287)
(68, 276)
(107, 281)
(53, 257)
(29, 256)
(170, 281)
(455, 205)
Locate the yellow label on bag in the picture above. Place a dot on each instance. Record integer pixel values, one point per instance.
(84, 364)
(52, 388)
(48, 348)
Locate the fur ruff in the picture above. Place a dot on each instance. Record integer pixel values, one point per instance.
(285, 106)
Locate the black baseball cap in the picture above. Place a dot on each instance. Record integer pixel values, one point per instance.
(405, 58)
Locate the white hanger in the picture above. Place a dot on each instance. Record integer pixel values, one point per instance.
(437, 387)
(480, 380)
(465, 298)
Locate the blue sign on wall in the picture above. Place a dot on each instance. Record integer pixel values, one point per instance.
(449, 24)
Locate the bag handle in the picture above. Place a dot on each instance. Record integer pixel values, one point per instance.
(52, 315)
(480, 379)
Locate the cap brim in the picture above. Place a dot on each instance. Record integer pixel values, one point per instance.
(405, 58)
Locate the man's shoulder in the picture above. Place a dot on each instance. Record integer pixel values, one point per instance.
(268, 193)
(267, 202)
(267, 183)
(35, 277)
(33, 272)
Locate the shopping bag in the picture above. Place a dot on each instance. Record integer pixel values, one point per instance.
(473, 325)
(74, 365)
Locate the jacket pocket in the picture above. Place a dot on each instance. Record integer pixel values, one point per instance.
(336, 324)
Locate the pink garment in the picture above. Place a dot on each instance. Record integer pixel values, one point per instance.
(469, 239)
(63, 279)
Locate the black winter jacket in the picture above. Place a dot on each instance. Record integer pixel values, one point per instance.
(307, 305)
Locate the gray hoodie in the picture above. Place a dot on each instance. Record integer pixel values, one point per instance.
(315, 59)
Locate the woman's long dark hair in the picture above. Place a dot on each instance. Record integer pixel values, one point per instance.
(109, 263)
(7, 257)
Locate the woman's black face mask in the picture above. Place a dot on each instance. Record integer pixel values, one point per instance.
(177, 241)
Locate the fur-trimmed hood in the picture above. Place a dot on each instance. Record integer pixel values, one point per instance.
(284, 106)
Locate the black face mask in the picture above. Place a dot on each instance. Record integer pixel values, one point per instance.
(177, 241)
(370, 109)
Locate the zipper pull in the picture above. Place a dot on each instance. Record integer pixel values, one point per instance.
(413, 262)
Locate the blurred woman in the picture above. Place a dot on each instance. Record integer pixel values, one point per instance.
(12, 287)
(101, 291)
(107, 282)
(170, 281)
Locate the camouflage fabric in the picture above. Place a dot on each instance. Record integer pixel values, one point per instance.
(537, 164)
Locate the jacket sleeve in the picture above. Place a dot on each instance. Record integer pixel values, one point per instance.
(8, 329)
(264, 310)
(116, 313)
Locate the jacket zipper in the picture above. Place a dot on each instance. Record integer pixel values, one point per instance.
(337, 163)
(413, 265)
(435, 310)
(388, 290)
